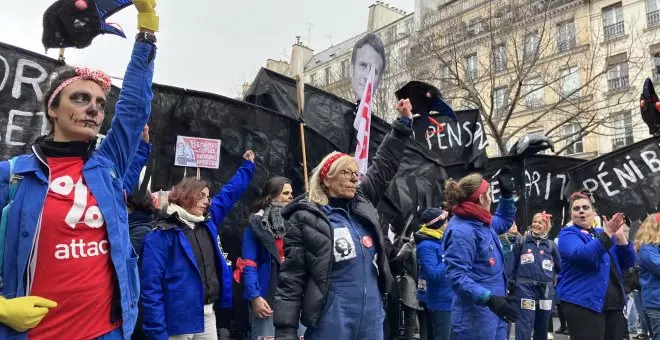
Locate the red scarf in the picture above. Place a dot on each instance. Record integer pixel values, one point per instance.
(473, 211)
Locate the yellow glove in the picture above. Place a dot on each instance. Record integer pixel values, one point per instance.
(147, 17)
(24, 313)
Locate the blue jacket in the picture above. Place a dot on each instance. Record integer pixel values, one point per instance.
(535, 259)
(172, 291)
(470, 248)
(258, 246)
(586, 267)
(649, 275)
(132, 175)
(103, 173)
(434, 288)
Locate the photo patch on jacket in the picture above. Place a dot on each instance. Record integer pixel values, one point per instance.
(526, 258)
(344, 247)
(421, 285)
(545, 304)
(547, 265)
(528, 304)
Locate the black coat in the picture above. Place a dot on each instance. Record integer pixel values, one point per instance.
(305, 272)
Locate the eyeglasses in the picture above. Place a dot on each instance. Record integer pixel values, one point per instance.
(349, 174)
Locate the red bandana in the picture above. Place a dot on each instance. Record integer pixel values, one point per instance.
(326, 166)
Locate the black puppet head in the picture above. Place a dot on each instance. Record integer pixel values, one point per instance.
(424, 98)
(650, 107)
(75, 23)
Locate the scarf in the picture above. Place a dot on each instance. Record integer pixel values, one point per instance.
(473, 211)
(51, 148)
(273, 222)
(189, 219)
(435, 233)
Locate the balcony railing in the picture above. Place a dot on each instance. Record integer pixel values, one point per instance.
(614, 30)
(653, 18)
(616, 84)
(619, 142)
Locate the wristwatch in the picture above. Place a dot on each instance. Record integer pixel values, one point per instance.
(146, 37)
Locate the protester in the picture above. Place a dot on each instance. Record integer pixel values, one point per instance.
(644, 322)
(592, 259)
(474, 259)
(404, 268)
(336, 268)
(141, 214)
(508, 239)
(263, 253)
(535, 268)
(184, 271)
(434, 290)
(647, 243)
(69, 205)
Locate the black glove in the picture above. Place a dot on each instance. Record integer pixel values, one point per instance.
(504, 307)
(506, 182)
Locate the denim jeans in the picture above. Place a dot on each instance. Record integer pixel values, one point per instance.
(654, 318)
(441, 325)
(641, 313)
(632, 316)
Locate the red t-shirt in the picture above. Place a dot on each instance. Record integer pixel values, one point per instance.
(73, 265)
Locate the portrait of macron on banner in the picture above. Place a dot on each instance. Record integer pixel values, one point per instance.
(369, 63)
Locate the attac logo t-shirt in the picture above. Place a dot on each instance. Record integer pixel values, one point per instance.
(73, 265)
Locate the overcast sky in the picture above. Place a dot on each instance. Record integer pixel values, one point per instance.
(205, 45)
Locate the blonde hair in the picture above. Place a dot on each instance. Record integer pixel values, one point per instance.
(457, 192)
(648, 233)
(318, 192)
(544, 218)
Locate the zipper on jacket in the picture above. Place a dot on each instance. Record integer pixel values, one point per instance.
(33, 249)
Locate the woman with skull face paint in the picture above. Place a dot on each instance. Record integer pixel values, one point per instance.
(67, 230)
(336, 269)
(474, 259)
(535, 268)
(592, 260)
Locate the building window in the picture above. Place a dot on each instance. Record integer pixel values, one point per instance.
(344, 69)
(574, 138)
(410, 26)
(312, 78)
(570, 83)
(623, 130)
(656, 67)
(652, 12)
(499, 101)
(475, 26)
(613, 21)
(391, 34)
(500, 58)
(617, 76)
(471, 70)
(327, 75)
(534, 90)
(445, 77)
(566, 35)
(532, 41)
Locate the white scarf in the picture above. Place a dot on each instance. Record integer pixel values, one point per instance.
(186, 217)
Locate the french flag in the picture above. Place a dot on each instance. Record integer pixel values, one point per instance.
(362, 124)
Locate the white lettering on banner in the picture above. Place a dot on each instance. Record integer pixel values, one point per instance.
(454, 136)
(79, 249)
(6, 76)
(627, 174)
(20, 79)
(93, 217)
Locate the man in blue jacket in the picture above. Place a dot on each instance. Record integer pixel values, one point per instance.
(184, 271)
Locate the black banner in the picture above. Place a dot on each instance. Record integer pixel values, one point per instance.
(540, 182)
(626, 180)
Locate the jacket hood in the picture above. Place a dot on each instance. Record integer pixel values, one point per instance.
(301, 203)
(141, 217)
(419, 237)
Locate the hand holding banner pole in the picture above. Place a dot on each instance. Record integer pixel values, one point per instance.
(300, 87)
